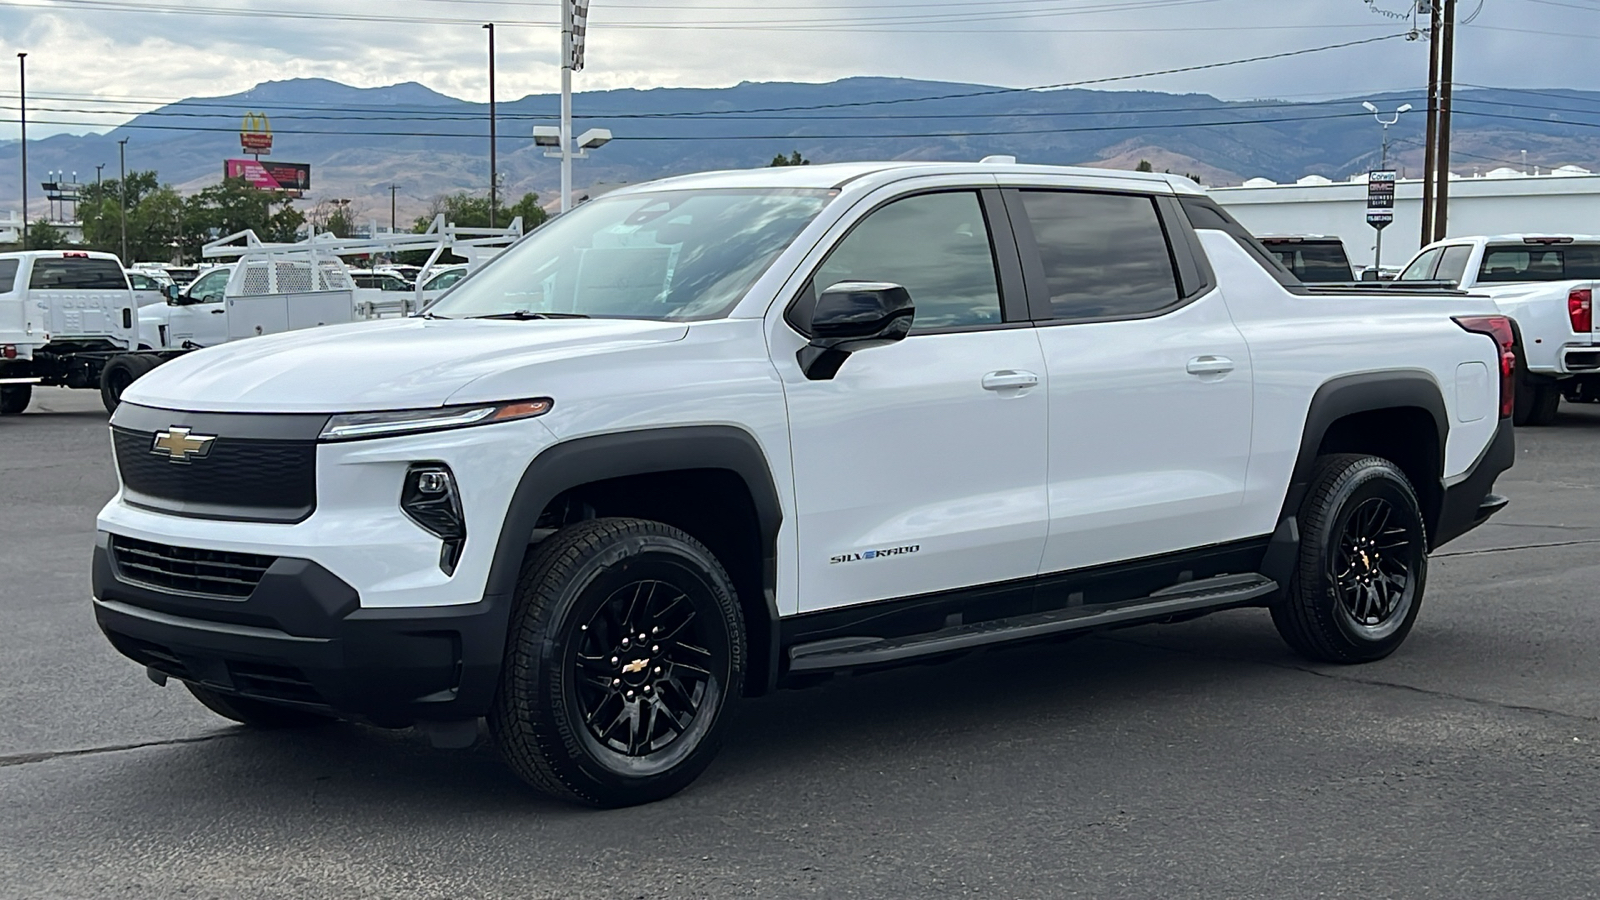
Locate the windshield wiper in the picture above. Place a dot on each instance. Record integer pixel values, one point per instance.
(430, 315)
(523, 315)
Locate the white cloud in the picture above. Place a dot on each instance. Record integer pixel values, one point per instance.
(149, 56)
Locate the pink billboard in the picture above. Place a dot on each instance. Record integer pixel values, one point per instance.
(270, 176)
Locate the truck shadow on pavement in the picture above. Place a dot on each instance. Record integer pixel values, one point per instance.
(969, 710)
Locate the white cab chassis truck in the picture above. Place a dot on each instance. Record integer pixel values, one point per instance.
(67, 318)
(1547, 286)
(709, 436)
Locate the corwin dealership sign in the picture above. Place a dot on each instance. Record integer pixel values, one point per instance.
(271, 176)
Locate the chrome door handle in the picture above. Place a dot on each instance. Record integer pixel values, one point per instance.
(1210, 365)
(1009, 379)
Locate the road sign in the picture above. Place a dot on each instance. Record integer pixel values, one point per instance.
(1380, 189)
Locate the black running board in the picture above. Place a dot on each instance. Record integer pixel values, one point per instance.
(852, 652)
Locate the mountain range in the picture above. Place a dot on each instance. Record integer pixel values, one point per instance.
(360, 141)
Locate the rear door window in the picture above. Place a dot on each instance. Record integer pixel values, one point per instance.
(1104, 255)
(1453, 264)
(1421, 268)
(77, 273)
(8, 274)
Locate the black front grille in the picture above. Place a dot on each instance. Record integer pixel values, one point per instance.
(240, 479)
(213, 573)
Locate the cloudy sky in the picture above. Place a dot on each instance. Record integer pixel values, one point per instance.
(84, 53)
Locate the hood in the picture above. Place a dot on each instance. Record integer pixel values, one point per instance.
(392, 364)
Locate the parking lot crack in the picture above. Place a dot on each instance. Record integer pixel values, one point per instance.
(1374, 682)
(1516, 547)
(23, 759)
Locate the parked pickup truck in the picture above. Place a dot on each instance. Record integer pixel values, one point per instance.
(66, 319)
(708, 436)
(1546, 285)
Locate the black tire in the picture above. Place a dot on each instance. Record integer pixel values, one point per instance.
(1363, 565)
(1543, 405)
(14, 398)
(121, 372)
(570, 667)
(255, 713)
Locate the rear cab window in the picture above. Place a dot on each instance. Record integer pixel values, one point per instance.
(1313, 262)
(1534, 261)
(77, 273)
(8, 275)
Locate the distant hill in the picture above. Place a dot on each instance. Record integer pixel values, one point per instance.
(359, 141)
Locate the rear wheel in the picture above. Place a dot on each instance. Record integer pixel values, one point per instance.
(121, 372)
(1546, 400)
(14, 398)
(1363, 563)
(625, 658)
(255, 713)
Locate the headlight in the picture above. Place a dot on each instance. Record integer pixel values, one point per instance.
(352, 426)
(429, 498)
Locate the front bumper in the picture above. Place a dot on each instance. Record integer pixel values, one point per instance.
(303, 638)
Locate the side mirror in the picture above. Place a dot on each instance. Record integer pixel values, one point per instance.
(171, 292)
(851, 316)
(1369, 275)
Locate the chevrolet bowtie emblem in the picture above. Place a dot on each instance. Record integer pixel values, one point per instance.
(178, 445)
(635, 666)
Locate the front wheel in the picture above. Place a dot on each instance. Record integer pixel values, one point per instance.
(625, 658)
(1363, 563)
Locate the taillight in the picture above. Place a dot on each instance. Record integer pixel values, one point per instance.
(1498, 328)
(1580, 309)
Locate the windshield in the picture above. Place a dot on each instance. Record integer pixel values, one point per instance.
(663, 255)
(1524, 262)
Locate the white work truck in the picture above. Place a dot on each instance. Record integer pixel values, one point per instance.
(1546, 285)
(67, 318)
(712, 435)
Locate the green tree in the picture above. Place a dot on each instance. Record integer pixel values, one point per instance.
(793, 159)
(44, 236)
(533, 215)
(232, 206)
(1144, 166)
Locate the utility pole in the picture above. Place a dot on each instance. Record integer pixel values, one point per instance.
(1432, 139)
(1447, 68)
(494, 176)
(22, 91)
(97, 168)
(566, 105)
(392, 189)
(122, 189)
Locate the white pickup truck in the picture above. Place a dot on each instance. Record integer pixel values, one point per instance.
(703, 437)
(67, 318)
(1546, 285)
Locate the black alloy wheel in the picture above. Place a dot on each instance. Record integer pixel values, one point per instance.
(641, 673)
(1371, 567)
(1363, 564)
(625, 658)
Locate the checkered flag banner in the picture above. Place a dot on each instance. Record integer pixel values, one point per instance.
(580, 24)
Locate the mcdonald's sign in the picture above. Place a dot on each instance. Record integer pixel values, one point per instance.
(255, 135)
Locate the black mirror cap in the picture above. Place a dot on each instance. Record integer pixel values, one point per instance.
(862, 309)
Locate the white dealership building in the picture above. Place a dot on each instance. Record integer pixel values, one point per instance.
(1502, 201)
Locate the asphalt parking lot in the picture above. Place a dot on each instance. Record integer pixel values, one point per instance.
(1192, 760)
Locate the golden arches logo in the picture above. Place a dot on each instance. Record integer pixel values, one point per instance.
(255, 134)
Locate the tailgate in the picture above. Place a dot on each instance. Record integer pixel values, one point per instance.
(70, 314)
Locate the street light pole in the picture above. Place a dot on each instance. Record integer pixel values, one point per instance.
(1377, 261)
(494, 180)
(22, 91)
(122, 190)
(566, 105)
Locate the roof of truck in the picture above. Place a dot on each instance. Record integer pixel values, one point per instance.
(837, 175)
(60, 254)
